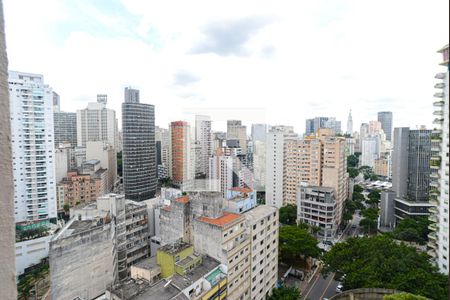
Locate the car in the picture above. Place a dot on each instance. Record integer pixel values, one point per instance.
(339, 288)
(354, 226)
(329, 243)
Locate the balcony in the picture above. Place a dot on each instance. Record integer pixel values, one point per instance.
(440, 76)
(438, 113)
(439, 103)
(438, 121)
(432, 218)
(434, 184)
(432, 227)
(439, 85)
(432, 236)
(433, 211)
(439, 95)
(436, 148)
(434, 176)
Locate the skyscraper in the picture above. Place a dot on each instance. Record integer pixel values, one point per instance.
(203, 137)
(438, 237)
(350, 123)
(237, 131)
(181, 168)
(97, 123)
(131, 95)
(65, 125)
(385, 118)
(31, 106)
(139, 149)
(411, 172)
(162, 151)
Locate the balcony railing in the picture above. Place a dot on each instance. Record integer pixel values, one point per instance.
(439, 95)
(439, 85)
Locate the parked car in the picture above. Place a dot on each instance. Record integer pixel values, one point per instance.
(339, 288)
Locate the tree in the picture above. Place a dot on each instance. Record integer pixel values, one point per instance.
(379, 261)
(368, 225)
(403, 296)
(297, 244)
(373, 197)
(352, 172)
(412, 230)
(352, 161)
(66, 208)
(288, 214)
(119, 163)
(284, 293)
(357, 188)
(358, 197)
(370, 213)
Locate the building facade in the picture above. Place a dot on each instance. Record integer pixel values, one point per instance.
(439, 235)
(181, 166)
(203, 137)
(65, 126)
(139, 148)
(385, 118)
(237, 131)
(32, 138)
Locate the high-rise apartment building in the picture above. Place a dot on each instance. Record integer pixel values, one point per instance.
(370, 150)
(350, 123)
(106, 154)
(97, 123)
(277, 139)
(411, 172)
(139, 148)
(56, 102)
(65, 126)
(439, 235)
(237, 131)
(385, 118)
(332, 123)
(259, 164)
(220, 176)
(181, 169)
(31, 108)
(203, 137)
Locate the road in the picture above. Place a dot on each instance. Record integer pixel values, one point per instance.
(320, 287)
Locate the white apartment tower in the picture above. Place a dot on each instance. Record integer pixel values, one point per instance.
(439, 237)
(97, 123)
(277, 139)
(31, 107)
(203, 137)
(350, 123)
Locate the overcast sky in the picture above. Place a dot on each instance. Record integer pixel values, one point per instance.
(278, 62)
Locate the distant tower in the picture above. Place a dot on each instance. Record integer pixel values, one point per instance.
(102, 98)
(385, 118)
(350, 123)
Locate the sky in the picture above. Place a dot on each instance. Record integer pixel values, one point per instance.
(275, 62)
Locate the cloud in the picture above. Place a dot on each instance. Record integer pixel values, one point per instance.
(230, 37)
(184, 78)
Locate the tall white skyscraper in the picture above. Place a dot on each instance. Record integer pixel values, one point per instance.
(277, 138)
(350, 123)
(97, 123)
(439, 163)
(203, 137)
(31, 107)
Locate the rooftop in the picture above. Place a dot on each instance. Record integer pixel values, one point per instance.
(175, 247)
(142, 290)
(147, 264)
(225, 219)
(256, 214)
(184, 199)
(241, 189)
(208, 264)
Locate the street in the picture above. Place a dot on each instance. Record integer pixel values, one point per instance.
(319, 287)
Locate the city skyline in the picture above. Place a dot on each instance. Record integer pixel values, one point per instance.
(196, 59)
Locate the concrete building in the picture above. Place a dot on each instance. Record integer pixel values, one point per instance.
(220, 176)
(439, 235)
(370, 150)
(259, 165)
(31, 103)
(262, 227)
(65, 127)
(411, 172)
(7, 272)
(56, 102)
(312, 125)
(277, 140)
(259, 132)
(349, 123)
(82, 258)
(181, 169)
(203, 136)
(385, 118)
(97, 123)
(107, 156)
(317, 206)
(332, 123)
(139, 148)
(63, 164)
(237, 131)
(31, 252)
(387, 209)
(382, 167)
(184, 274)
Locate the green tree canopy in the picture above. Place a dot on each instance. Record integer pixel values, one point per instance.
(370, 213)
(285, 293)
(288, 214)
(403, 296)
(368, 225)
(357, 188)
(379, 261)
(297, 243)
(352, 161)
(412, 230)
(374, 197)
(352, 172)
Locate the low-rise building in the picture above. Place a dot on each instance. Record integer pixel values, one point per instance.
(317, 207)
